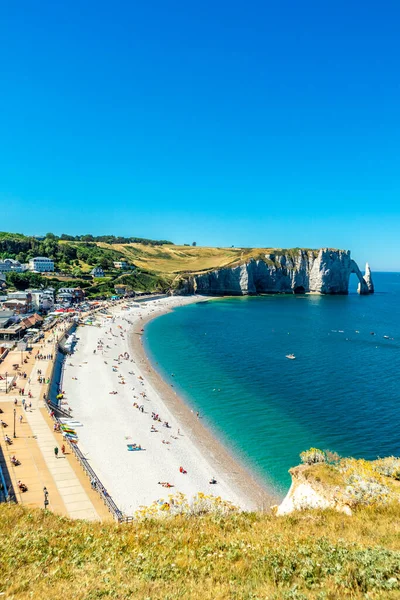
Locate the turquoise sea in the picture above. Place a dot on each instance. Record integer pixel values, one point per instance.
(341, 393)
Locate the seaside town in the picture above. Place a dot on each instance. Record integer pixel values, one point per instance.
(36, 335)
(64, 359)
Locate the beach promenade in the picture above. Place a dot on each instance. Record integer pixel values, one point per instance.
(68, 489)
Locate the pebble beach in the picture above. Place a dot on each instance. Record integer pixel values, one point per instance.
(121, 401)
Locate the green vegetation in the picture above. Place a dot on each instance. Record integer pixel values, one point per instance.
(112, 239)
(73, 262)
(23, 281)
(310, 555)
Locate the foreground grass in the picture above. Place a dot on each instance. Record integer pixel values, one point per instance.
(310, 555)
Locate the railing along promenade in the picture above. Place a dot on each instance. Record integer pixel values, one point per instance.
(56, 412)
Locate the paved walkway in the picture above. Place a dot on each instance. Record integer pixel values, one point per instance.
(69, 489)
(32, 470)
(75, 498)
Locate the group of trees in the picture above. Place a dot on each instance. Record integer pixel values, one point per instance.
(111, 239)
(23, 281)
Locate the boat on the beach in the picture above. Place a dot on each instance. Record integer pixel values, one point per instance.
(290, 356)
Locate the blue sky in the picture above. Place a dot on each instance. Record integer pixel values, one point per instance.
(250, 123)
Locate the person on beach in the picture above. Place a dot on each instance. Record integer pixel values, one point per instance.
(22, 486)
(56, 452)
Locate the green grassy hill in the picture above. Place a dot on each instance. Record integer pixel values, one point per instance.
(309, 555)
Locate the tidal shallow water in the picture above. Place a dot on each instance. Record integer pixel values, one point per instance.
(342, 392)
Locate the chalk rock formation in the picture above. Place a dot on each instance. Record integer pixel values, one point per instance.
(368, 279)
(305, 494)
(297, 271)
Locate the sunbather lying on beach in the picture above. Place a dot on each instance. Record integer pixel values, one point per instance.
(165, 442)
(166, 484)
(153, 429)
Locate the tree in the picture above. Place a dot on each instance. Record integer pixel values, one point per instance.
(106, 263)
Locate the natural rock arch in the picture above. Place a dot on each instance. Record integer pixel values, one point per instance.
(362, 286)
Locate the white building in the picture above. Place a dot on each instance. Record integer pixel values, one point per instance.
(42, 299)
(41, 264)
(121, 264)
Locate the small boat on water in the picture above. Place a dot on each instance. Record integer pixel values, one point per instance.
(290, 356)
(386, 337)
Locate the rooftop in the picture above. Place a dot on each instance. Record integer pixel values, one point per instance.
(42, 258)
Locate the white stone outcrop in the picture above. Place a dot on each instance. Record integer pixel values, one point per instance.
(304, 494)
(368, 279)
(323, 271)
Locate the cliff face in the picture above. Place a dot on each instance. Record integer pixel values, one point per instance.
(343, 484)
(304, 494)
(321, 271)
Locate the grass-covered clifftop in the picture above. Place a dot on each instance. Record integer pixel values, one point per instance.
(318, 555)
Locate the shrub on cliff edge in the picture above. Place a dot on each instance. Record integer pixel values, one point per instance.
(313, 456)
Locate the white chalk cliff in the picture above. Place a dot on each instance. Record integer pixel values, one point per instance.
(323, 271)
(304, 494)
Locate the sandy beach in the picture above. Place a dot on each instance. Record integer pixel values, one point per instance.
(110, 421)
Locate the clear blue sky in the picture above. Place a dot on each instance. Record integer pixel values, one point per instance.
(250, 123)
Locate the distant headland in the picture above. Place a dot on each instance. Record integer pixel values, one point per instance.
(107, 265)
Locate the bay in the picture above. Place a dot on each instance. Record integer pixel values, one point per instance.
(227, 358)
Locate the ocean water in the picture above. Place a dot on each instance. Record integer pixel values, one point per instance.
(342, 392)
